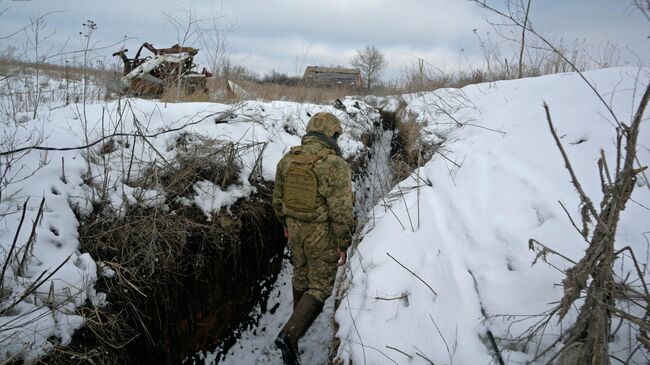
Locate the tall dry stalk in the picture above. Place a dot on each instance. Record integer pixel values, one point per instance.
(523, 41)
(593, 326)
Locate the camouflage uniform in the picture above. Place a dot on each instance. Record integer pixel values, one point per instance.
(313, 200)
(315, 235)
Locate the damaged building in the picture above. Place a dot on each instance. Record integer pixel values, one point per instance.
(151, 75)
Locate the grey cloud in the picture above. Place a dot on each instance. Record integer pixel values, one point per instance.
(357, 23)
(284, 34)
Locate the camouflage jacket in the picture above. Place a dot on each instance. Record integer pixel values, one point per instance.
(335, 199)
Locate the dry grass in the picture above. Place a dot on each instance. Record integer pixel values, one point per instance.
(8, 65)
(30, 87)
(175, 96)
(173, 290)
(408, 151)
(409, 135)
(298, 93)
(407, 147)
(415, 80)
(197, 158)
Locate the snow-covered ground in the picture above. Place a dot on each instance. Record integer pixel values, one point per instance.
(25, 89)
(465, 231)
(42, 292)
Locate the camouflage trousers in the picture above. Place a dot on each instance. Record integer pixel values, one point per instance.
(314, 257)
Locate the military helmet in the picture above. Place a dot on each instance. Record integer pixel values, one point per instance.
(325, 123)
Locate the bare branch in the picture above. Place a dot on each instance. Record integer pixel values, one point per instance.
(153, 135)
(412, 273)
(574, 179)
(523, 41)
(13, 245)
(533, 242)
(555, 49)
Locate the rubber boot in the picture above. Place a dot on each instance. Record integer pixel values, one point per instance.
(297, 295)
(289, 354)
(303, 316)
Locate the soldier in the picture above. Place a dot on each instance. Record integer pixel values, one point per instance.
(313, 199)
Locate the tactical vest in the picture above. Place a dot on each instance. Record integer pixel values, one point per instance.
(300, 193)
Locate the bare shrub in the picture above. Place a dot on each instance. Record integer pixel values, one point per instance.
(198, 158)
(508, 53)
(173, 266)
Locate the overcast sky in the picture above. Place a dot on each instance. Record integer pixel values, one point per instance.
(288, 35)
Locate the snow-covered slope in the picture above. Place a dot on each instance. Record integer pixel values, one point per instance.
(465, 231)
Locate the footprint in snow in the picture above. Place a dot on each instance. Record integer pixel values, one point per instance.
(270, 356)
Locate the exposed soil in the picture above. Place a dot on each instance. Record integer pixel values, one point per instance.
(191, 288)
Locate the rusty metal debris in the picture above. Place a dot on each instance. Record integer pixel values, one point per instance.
(151, 75)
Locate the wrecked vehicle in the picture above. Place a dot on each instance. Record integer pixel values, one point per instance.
(167, 68)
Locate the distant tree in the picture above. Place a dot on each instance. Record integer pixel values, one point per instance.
(371, 62)
(280, 78)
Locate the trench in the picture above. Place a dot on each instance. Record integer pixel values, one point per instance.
(372, 178)
(178, 308)
(161, 311)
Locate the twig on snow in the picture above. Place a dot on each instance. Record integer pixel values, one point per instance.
(412, 273)
(533, 242)
(573, 223)
(443, 340)
(13, 245)
(30, 241)
(400, 351)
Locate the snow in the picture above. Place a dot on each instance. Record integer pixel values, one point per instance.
(474, 222)
(435, 257)
(209, 197)
(71, 181)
